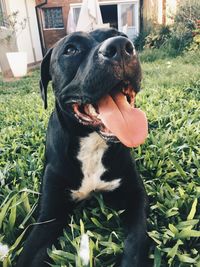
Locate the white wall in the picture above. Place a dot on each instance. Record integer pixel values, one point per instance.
(171, 10)
(160, 11)
(34, 29)
(28, 39)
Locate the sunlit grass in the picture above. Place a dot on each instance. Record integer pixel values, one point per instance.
(169, 163)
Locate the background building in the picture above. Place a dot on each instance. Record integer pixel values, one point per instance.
(47, 21)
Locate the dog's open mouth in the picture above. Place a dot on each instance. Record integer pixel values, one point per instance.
(115, 117)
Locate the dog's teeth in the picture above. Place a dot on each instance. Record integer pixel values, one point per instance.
(92, 111)
(87, 119)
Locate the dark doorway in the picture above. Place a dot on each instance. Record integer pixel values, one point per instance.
(109, 15)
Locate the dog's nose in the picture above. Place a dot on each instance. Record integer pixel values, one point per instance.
(116, 48)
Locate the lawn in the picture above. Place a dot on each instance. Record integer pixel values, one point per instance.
(169, 163)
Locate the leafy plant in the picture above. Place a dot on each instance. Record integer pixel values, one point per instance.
(12, 25)
(158, 38)
(195, 45)
(188, 13)
(139, 41)
(182, 35)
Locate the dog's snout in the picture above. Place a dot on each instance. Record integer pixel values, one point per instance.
(117, 47)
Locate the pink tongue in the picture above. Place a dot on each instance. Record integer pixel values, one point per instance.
(128, 124)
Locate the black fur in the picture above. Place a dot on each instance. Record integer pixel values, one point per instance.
(83, 68)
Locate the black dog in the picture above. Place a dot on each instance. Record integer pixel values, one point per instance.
(94, 75)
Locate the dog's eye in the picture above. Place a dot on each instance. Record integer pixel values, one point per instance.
(70, 50)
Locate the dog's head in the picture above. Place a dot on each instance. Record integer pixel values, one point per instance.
(95, 77)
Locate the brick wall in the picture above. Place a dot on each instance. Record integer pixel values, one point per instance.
(51, 36)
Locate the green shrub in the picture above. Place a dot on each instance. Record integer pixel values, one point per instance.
(158, 37)
(140, 40)
(183, 34)
(195, 45)
(188, 13)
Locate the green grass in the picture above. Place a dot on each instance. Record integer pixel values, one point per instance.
(169, 163)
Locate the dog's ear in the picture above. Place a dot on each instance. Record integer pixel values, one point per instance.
(45, 76)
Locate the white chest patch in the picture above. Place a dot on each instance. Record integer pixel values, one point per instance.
(92, 149)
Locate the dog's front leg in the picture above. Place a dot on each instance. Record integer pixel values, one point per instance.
(134, 219)
(131, 197)
(53, 212)
(134, 254)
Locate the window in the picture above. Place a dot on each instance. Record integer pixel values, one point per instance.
(122, 16)
(109, 15)
(128, 19)
(76, 12)
(127, 15)
(53, 18)
(2, 14)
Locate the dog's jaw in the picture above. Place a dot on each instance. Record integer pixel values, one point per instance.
(88, 114)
